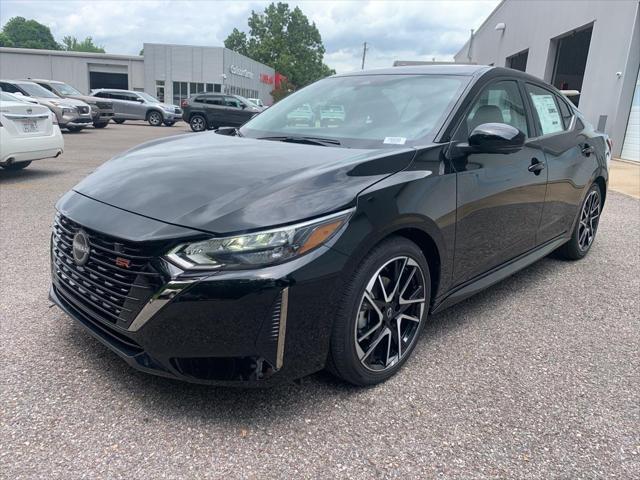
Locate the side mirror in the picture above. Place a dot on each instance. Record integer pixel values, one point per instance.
(140, 100)
(229, 131)
(496, 138)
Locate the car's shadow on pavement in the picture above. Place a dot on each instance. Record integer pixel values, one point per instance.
(27, 174)
(232, 405)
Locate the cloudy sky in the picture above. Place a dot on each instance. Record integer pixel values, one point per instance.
(408, 30)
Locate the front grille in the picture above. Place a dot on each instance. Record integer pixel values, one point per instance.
(104, 105)
(83, 110)
(101, 289)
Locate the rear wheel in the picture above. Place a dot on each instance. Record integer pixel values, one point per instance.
(382, 312)
(74, 129)
(169, 123)
(16, 166)
(100, 124)
(154, 118)
(119, 121)
(198, 123)
(586, 227)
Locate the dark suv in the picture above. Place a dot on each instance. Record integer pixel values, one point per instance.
(211, 110)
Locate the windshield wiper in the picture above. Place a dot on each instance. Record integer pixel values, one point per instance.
(307, 140)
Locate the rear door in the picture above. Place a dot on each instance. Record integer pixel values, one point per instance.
(570, 164)
(215, 109)
(499, 200)
(119, 106)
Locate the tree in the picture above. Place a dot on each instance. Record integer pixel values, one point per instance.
(5, 41)
(285, 40)
(73, 45)
(23, 33)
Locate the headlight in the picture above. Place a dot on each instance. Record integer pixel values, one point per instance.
(68, 109)
(261, 248)
(168, 108)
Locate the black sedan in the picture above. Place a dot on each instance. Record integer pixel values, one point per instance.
(260, 255)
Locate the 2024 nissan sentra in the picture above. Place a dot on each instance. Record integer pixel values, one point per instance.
(260, 255)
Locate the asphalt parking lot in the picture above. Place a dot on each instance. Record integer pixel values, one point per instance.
(537, 377)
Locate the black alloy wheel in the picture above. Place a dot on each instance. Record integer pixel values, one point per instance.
(384, 311)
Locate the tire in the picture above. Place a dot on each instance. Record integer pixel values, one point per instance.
(584, 232)
(154, 118)
(169, 123)
(119, 121)
(198, 123)
(357, 353)
(74, 129)
(16, 166)
(100, 125)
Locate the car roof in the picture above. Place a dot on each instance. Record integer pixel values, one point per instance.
(17, 81)
(113, 90)
(43, 80)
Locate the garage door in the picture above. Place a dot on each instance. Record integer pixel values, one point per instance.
(631, 146)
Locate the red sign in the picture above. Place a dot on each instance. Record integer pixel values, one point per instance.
(266, 78)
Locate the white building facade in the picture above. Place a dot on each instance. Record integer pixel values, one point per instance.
(589, 46)
(168, 72)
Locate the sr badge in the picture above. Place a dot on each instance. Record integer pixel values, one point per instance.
(81, 248)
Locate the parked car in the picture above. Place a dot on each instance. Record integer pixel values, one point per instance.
(257, 102)
(132, 105)
(269, 254)
(101, 110)
(212, 110)
(301, 115)
(28, 132)
(331, 115)
(72, 114)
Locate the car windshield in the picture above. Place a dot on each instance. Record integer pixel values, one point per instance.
(148, 97)
(366, 111)
(64, 89)
(36, 90)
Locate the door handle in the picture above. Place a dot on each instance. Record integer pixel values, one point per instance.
(587, 149)
(536, 166)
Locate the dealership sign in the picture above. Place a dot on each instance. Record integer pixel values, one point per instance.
(242, 72)
(266, 78)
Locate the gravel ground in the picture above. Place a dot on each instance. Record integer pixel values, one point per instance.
(537, 377)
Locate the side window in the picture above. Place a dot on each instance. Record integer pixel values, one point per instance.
(232, 102)
(7, 87)
(48, 87)
(546, 109)
(565, 112)
(215, 101)
(500, 102)
(101, 94)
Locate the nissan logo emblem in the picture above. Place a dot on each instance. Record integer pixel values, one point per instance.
(81, 248)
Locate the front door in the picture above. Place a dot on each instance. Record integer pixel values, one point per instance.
(499, 196)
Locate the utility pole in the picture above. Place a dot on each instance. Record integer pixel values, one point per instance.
(364, 53)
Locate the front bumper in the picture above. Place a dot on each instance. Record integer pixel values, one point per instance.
(252, 328)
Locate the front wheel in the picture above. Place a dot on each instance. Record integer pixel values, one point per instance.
(16, 166)
(119, 121)
(382, 312)
(155, 119)
(100, 124)
(584, 233)
(74, 129)
(169, 123)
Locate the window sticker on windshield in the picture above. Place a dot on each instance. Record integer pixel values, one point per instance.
(395, 140)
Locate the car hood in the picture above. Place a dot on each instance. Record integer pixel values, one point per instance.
(66, 100)
(222, 184)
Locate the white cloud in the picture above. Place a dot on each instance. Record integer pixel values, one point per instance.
(394, 30)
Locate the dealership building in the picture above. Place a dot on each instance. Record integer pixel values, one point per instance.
(168, 72)
(589, 46)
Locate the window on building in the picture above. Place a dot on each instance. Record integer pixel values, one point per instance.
(180, 92)
(217, 88)
(518, 61)
(160, 90)
(196, 88)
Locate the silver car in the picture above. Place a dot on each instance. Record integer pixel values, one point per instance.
(131, 105)
(72, 114)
